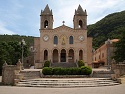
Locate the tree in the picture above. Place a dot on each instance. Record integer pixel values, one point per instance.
(119, 54)
(11, 52)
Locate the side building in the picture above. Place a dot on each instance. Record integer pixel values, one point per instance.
(63, 43)
(102, 56)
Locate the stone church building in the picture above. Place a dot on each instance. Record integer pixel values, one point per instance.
(63, 43)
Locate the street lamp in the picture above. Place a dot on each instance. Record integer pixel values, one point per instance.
(22, 43)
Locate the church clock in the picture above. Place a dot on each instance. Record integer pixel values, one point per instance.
(45, 38)
(81, 38)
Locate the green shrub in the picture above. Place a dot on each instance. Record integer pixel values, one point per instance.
(47, 64)
(75, 71)
(64, 71)
(85, 70)
(67, 71)
(47, 71)
(57, 71)
(81, 63)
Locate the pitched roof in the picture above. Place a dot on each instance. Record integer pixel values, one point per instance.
(63, 26)
(114, 40)
(80, 11)
(46, 11)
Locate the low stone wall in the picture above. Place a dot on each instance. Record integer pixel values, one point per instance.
(38, 65)
(102, 74)
(10, 72)
(118, 68)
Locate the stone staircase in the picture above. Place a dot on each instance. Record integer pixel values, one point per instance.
(63, 65)
(66, 83)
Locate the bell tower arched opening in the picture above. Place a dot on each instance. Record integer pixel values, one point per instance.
(80, 18)
(80, 24)
(46, 18)
(46, 24)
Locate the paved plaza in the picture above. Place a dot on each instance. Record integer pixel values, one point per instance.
(119, 89)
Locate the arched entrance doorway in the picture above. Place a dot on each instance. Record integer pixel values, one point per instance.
(71, 56)
(63, 55)
(45, 55)
(80, 55)
(55, 56)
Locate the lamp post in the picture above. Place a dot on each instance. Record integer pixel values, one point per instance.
(22, 43)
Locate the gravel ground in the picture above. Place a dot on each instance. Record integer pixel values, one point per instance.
(119, 89)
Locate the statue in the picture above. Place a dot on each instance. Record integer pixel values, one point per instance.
(63, 40)
(5, 63)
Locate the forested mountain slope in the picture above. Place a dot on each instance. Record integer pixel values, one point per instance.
(110, 27)
(17, 38)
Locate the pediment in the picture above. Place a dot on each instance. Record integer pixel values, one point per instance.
(63, 28)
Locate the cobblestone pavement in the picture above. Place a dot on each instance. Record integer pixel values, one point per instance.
(119, 89)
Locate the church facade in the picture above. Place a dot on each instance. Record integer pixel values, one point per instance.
(63, 44)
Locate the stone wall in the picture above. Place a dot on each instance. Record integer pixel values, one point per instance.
(118, 68)
(38, 65)
(102, 74)
(9, 73)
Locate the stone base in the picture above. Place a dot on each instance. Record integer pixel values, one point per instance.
(65, 76)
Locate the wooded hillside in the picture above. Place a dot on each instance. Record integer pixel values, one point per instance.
(110, 27)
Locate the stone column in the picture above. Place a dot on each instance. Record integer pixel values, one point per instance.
(59, 57)
(19, 65)
(113, 64)
(49, 55)
(66, 57)
(76, 56)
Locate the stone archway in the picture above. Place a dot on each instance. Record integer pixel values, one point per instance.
(63, 55)
(71, 56)
(80, 55)
(55, 56)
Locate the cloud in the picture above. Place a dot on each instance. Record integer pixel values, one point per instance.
(3, 30)
(97, 9)
(9, 16)
(22, 16)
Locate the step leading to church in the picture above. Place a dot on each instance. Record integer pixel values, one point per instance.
(66, 83)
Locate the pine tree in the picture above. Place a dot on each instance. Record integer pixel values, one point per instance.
(120, 49)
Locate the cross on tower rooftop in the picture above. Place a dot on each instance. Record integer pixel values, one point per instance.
(63, 22)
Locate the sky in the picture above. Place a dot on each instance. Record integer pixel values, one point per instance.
(22, 17)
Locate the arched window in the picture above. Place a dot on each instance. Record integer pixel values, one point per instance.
(80, 55)
(80, 24)
(55, 40)
(71, 40)
(45, 55)
(46, 24)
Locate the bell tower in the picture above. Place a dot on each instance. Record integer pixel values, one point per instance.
(46, 18)
(80, 19)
